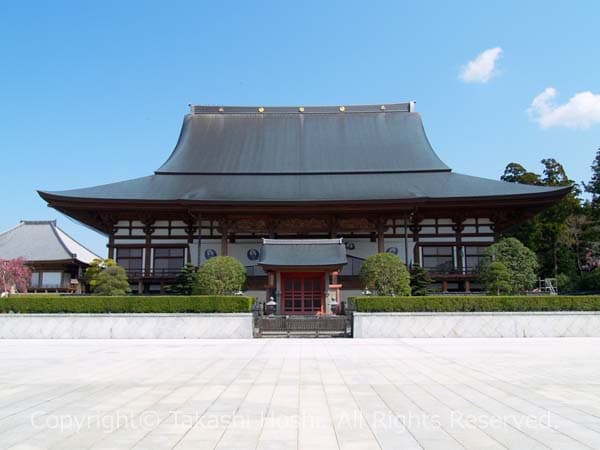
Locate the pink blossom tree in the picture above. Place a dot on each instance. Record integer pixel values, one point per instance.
(14, 274)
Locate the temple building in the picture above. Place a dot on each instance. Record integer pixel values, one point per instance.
(301, 178)
(56, 260)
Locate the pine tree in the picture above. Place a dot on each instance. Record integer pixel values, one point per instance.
(593, 187)
(419, 281)
(184, 282)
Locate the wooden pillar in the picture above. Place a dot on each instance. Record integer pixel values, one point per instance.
(415, 228)
(224, 228)
(467, 285)
(458, 228)
(111, 246)
(147, 255)
(444, 285)
(381, 236)
(224, 245)
(148, 230)
(416, 253)
(189, 230)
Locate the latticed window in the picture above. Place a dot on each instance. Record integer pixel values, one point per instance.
(438, 259)
(474, 255)
(169, 260)
(130, 259)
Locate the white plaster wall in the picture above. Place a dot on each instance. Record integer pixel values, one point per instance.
(209, 244)
(362, 248)
(240, 250)
(125, 326)
(491, 324)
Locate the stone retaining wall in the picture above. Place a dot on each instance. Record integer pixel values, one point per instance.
(125, 326)
(479, 324)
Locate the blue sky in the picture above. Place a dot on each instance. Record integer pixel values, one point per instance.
(95, 92)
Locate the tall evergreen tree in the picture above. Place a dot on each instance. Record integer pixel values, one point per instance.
(548, 234)
(593, 187)
(516, 173)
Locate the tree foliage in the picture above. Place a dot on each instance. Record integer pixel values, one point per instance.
(519, 261)
(419, 280)
(106, 277)
(386, 274)
(548, 233)
(14, 275)
(593, 187)
(220, 275)
(516, 173)
(185, 281)
(496, 278)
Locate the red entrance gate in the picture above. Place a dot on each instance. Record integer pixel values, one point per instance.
(303, 293)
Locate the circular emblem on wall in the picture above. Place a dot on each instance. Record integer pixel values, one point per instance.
(350, 245)
(392, 250)
(252, 254)
(210, 253)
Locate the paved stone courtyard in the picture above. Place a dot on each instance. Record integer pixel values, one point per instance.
(307, 394)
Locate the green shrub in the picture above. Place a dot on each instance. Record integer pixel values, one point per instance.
(126, 304)
(420, 281)
(521, 263)
(185, 281)
(220, 275)
(496, 278)
(473, 303)
(105, 277)
(386, 274)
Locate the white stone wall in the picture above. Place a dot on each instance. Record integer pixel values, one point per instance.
(126, 326)
(477, 325)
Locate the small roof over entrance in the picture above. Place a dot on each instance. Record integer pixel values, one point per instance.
(302, 253)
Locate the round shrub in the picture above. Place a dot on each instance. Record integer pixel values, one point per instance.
(386, 274)
(521, 263)
(111, 280)
(220, 275)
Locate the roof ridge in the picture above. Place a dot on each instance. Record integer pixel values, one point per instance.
(38, 222)
(407, 107)
(76, 241)
(53, 227)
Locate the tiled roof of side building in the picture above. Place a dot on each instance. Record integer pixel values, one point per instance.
(42, 240)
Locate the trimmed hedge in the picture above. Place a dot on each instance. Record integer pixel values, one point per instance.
(473, 303)
(126, 304)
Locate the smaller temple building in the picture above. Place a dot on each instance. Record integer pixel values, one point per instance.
(57, 261)
(303, 273)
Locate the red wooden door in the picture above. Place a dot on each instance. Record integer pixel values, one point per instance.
(303, 293)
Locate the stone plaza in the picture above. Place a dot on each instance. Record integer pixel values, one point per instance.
(301, 394)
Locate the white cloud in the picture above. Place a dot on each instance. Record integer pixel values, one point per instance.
(581, 111)
(482, 68)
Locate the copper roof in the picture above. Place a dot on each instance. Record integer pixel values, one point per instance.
(283, 154)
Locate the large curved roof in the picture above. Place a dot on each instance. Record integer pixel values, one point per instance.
(284, 154)
(317, 140)
(304, 188)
